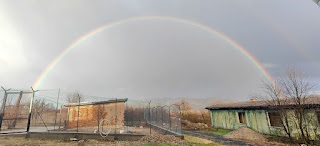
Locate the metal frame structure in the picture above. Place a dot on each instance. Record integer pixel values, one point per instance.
(6, 93)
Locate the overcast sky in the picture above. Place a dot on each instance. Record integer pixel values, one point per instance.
(156, 58)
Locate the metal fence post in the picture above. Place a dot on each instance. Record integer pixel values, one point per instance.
(30, 110)
(3, 105)
(156, 122)
(127, 116)
(170, 117)
(132, 116)
(180, 119)
(60, 117)
(116, 120)
(150, 117)
(161, 116)
(55, 119)
(98, 117)
(67, 121)
(78, 113)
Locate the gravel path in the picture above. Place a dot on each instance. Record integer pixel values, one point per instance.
(217, 138)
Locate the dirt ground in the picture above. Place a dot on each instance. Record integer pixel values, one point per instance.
(18, 141)
(197, 139)
(163, 140)
(245, 133)
(252, 136)
(135, 130)
(242, 136)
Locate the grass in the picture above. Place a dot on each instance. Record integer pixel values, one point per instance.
(217, 131)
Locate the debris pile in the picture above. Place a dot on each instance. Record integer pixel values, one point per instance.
(189, 125)
(159, 138)
(245, 133)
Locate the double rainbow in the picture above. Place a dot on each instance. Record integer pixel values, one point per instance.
(235, 45)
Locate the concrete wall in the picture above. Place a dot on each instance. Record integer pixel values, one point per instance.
(82, 136)
(91, 115)
(258, 120)
(165, 131)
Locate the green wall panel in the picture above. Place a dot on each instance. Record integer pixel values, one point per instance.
(258, 121)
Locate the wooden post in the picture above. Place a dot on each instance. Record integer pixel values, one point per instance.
(17, 110)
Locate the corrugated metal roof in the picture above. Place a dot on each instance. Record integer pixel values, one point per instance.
(98, 102)
(264, 104)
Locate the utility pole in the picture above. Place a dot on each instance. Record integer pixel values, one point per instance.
(30, 110)
(55, 119)
(3, 105)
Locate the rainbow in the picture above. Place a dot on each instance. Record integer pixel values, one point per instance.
(242, 50)
(283, 34)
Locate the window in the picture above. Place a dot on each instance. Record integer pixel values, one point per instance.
(275, 119)
(242, 118)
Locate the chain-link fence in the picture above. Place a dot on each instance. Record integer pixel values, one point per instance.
(166, 117)
(67, 111)
(15, 106)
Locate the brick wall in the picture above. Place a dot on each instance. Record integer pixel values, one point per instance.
(91, 115)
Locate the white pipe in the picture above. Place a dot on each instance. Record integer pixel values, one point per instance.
(104, 134)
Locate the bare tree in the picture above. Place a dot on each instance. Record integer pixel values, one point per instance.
(40, 107)
(289, 93)
(274, 98)
(75, 98)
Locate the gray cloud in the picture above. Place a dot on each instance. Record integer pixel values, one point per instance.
(156, 58)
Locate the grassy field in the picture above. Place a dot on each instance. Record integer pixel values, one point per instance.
(217, 131)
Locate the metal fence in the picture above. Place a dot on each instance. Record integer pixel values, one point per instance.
(67, 111)
(167, 117)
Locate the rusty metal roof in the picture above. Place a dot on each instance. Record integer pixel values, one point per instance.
(95, 103)
(264, 104)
